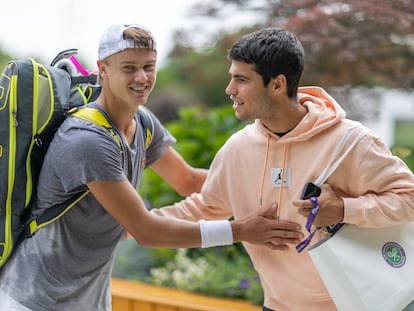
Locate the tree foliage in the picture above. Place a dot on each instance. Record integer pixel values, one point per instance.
(351, 47)
(348, 42)
(198, 73)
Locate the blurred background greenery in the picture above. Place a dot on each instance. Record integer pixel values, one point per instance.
(355, 49)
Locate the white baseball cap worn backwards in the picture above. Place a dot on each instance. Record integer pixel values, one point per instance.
(113, 41)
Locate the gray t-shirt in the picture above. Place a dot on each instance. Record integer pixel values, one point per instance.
(67, 265)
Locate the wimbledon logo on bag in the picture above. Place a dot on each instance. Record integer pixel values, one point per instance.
(394, 254)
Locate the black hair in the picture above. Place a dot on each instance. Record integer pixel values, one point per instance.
(272, 51)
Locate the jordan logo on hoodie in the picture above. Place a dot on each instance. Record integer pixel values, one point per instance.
(276, 175)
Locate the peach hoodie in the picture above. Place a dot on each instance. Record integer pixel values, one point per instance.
(378, 190)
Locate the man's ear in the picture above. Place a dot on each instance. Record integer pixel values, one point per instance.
(279, 84)
(101, 67)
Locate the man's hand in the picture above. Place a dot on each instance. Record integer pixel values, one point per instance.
(331, 207)
(262, 228)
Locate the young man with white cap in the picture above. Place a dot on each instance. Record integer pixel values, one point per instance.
(67, 265)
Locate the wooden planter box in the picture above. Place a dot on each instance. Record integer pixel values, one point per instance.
(136, 296)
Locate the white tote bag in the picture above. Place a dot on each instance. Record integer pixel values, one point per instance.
(365, 269)
(368, 269)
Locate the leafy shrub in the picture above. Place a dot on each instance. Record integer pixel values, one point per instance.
(199, 133)
(406, 154)
(213, 274)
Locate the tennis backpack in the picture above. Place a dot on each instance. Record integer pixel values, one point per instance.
(34, 100)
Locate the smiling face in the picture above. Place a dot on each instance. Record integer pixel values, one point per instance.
(251, 98)
(129, 76)
(270, 104)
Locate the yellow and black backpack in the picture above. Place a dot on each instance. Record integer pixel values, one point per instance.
(34, 100)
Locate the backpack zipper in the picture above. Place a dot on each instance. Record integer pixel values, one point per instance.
(11, 171)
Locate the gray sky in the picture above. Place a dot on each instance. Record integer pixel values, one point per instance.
(42, 28)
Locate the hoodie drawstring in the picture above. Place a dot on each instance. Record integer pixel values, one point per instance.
(279, 204)
(264, 169)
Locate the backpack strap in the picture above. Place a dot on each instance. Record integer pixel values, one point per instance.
(147, 124)
(96, 116)
(85, 113)
(89, 79)
(52, 214)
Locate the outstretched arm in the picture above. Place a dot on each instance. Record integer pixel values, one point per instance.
(122, 201)
(181, 176)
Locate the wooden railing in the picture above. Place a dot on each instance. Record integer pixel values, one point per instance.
(136, 296)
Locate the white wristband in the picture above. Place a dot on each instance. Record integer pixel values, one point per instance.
(215, 233)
